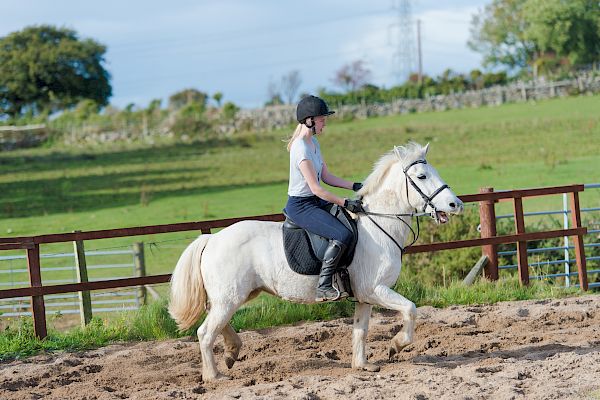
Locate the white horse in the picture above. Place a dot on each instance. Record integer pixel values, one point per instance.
(220, 272)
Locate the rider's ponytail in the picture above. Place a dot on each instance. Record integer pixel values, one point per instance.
(294, 136)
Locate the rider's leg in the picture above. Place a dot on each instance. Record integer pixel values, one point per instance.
(331, 259)
(310, 213)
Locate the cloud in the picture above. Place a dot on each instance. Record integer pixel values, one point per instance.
(444, 40)
(237, 46)
(444, 34)
(371, 41)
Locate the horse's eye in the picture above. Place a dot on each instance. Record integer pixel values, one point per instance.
(422, 177)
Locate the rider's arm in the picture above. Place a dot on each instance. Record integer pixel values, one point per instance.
(308, 171)
(333, 180)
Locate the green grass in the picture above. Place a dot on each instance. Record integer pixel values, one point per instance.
(514, 145)
(483, 292)
(148, 323)
(58, 189)
(152, 322)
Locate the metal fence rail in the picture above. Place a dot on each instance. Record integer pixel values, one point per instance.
(68, 303)
(567, 260)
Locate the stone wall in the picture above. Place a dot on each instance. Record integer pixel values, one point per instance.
(13, 137)
(276, 117)
(270, 118)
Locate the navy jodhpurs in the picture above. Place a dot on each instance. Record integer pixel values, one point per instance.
(309, 213)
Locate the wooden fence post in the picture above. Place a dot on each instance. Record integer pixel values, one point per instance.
(521, 245)
(579, 248)
(140, 270)
(487, 219)
(38, 308)
(85, 299)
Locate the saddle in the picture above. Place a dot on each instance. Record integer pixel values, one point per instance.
(304, 250)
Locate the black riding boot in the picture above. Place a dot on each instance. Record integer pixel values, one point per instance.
(331, 259)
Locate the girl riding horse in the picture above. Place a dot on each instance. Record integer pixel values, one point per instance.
(308, 200)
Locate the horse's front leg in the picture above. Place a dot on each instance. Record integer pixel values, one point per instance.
(362, 314)
(387, 298)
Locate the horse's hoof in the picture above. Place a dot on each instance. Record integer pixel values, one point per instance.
(223, 377)
(229, 361)
(218, 377)
(391, 353)
(370, 367)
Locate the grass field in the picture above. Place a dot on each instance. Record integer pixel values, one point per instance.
(58, 189)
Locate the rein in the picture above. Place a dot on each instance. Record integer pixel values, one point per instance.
(399, 217)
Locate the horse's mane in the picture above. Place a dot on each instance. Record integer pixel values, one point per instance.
(403, 154)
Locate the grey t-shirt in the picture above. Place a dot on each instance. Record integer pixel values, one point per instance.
(300, 151)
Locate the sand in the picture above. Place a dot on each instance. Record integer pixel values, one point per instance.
(548, 349)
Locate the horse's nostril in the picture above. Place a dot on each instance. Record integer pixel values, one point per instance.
(452, 205)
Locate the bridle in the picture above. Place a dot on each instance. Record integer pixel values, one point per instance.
(428, 199)
(428, 202)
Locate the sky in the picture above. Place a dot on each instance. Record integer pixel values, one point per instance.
(239, 47)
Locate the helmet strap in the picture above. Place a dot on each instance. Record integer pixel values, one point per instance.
(312, 126)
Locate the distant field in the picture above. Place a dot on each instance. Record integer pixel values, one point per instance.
(51, 190)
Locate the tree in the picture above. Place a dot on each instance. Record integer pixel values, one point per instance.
(534, 33)
(273, 95)
(476, 77)
(187, 96)
(44, 69)
(352, 76)
(567, 30)
(218, 96)
(498, 33)
(190, 120)
(154, 106)
(230, 110)
(290, 83)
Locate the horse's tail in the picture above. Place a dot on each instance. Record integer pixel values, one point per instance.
(188, 295)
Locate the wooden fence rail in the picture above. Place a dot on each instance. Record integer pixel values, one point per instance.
(489, 240)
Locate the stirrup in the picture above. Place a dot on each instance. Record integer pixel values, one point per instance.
(325, 295)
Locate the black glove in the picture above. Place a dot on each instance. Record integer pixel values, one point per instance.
(356, 186)
(354, 206)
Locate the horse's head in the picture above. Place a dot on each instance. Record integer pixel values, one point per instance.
(425, 190)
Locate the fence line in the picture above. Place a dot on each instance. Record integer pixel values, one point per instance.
(566, 261)
(53, 301)
(489, 240)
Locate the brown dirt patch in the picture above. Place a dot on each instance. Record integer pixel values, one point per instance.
(546, 349)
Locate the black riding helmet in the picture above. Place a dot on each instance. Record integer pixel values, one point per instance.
(311, 106)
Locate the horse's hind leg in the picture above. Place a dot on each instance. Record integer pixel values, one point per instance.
(233, 343)
(362, 314)
(215, 322)
(387, 298)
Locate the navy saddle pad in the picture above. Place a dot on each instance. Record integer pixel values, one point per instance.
(304, 251)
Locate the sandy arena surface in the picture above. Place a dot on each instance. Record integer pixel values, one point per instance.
(547, 349)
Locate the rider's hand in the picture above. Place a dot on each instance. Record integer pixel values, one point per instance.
(354, 206)
(356, 186)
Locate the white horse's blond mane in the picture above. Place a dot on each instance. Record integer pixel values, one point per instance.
(403, 154)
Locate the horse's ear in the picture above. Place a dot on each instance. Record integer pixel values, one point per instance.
(425, 149)
(397, 151)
